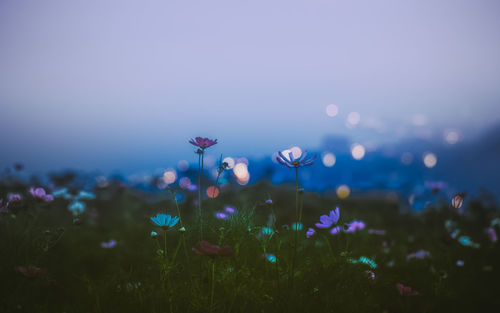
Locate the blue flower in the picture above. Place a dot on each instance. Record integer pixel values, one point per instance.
(77, 207)
(290, 162)
(165, 220)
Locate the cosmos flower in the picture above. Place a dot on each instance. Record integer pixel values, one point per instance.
(326, 221)
(421, 254)
(354, 226)
(291, 162)
(221, 215)
(379, 232)
(335, 230)
(77, 207)
(230, 210)
(297, 226)
(405, 290)
(40, 193)
(310, 232)
(13, 197)
(30, 271)
(213, 251)
(466, 241)
(460, 263)
(364, 260)
(492, 234)
(165, 220)
(203, 143)
(270, 257)
(269, 201)
(267, 231)
(108, 245)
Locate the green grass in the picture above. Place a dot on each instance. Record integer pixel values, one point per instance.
(135, 277)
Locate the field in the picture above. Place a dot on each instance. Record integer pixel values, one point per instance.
(106, 259)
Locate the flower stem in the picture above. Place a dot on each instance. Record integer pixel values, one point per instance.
(200, 171)
(212, 287)
(292, 274)
(165, 244)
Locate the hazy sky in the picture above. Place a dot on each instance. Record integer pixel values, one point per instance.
(117, 84)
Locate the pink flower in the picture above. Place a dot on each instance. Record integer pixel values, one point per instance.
(405, 290)
(39, 193)
(213, 250)
(335, 230)
(203, 143)
(30, 271)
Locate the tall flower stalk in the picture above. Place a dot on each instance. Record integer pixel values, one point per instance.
(202, 144)
(291, 162)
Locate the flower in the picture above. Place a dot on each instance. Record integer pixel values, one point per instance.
(421, 254)
(370, 274)
(291, 162)
(213, 250)
(267, 231)
(230, 210)
(460, 263)
(354, 226)
(492, 234)
(405, 290)
(270, 257)
(109, 244)
(269, 201)
(297, 226)
(165, 220)
(40, 193)
(13, 197)
(310, 232)
(326, 221)
(335, 230)
(203, 143)
(221, 216)
(154, 234)
(30, 271)
(77, 207)
(379, 232)
(466, 241)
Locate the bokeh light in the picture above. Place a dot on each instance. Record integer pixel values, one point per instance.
(169, 176)
(343, 191)
(296, 152)
(332, 110)
(183, 165)
(451, 137)
(430, 159)
(240, 170)
(230, 162)
(353, 118)
(184, 182)
(212, 192)
(358, 151)
(406, 158)
(328, 159)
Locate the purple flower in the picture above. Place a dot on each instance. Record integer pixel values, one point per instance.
(221, 216)
(310, 232)
(40, 193)
(13, 197)
(291, 162)
(203, 143)
(335, 230)
(492, 234)
(230, 210)
(269, 201)
(326, 221)
(421, 254)
(354, 226)
(108, 245)
(379, 232)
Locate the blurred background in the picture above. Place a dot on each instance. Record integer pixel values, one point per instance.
(395, 98)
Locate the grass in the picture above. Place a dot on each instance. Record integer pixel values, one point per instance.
(135, 276)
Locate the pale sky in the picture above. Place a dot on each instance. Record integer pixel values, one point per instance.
(117, 84)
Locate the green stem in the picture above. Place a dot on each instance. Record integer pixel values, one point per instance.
(296, 230)
(165, 244)
(212, 287)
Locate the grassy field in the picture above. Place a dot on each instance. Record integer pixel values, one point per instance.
(53, 261)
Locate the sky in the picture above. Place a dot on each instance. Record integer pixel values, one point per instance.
(121, 84)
